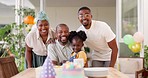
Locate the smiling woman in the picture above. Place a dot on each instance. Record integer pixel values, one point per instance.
(37, 41)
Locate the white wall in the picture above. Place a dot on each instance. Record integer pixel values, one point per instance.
(7, 15)
(108, 14)
(145, 22)
(68, 15)
(6, 20)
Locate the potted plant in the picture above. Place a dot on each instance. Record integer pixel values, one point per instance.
(13, 43)
(146, 60)
(12, 37)
(4, 31)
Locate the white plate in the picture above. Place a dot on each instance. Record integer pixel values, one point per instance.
(96, 72)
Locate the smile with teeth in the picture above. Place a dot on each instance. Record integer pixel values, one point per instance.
(63, 38)
(84, 20)
(43, 31)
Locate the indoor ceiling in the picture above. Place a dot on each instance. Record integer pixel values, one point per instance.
(76, 3)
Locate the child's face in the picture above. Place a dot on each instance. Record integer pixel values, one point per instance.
(77, 45)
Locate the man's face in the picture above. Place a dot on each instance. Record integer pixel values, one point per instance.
(85, 17)
(43, 27)
(62, 33)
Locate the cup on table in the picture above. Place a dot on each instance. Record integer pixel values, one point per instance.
(79, 61)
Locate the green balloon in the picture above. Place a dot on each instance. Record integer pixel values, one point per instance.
(130, 45)
(128, 39)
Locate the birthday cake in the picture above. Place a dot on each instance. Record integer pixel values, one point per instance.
(71, 70)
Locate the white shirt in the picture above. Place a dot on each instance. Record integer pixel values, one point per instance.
(34, 41)
(58, 52)
(97, 37)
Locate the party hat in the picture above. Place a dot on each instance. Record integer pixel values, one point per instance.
(47, 69)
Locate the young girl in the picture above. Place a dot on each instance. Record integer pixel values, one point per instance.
(77, 39)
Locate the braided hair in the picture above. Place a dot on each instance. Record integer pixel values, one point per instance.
(77, 35)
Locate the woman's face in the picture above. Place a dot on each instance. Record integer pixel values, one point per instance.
(77, 44)
(43, 27)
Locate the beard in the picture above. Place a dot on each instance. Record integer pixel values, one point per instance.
(63, 40)
(85, 23)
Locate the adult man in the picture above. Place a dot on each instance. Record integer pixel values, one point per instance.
(100, 39)
(60, 51)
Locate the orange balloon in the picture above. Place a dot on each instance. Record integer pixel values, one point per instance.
(29, 20)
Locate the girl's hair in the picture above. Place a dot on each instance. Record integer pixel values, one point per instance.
(75, 35)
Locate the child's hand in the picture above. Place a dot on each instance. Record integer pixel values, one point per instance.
(64, 61)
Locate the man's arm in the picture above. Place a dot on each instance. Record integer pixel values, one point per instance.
(28, 56)
(113, 45)
(52, 53)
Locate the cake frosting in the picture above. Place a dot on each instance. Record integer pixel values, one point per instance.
(71, 70)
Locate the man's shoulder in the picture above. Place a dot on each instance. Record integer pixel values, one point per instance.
(54, 45)
(51, 45)
(98, 22)
(101, 24)
(81, 28)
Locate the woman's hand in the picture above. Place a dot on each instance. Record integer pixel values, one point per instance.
(51, 40)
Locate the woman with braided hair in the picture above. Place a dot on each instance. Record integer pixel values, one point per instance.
(76, 39)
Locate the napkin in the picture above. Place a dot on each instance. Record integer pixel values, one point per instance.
(47, 69)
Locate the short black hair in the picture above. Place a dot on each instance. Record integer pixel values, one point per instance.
(84, 8)
(60, 25)
(81, 35)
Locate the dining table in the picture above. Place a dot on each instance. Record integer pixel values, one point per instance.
(34, 73)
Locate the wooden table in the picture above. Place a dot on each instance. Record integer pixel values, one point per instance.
(32, 73)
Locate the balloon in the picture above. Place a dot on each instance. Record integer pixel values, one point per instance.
(35, 21)
(130, 45)
(29, 20)
(128, 39)
(138, 37)
(135, 47)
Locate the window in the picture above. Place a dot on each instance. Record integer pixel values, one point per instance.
(128, 15)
